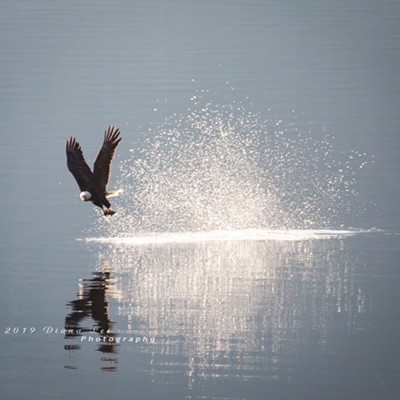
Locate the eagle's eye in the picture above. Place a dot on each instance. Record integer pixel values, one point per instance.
(85, 196)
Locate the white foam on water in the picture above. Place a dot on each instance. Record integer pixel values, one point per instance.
(229, 235)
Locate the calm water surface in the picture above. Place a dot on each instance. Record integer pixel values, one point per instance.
(188, 316)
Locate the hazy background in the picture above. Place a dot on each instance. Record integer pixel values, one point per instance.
(71, 68)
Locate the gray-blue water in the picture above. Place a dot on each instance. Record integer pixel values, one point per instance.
(277, 273)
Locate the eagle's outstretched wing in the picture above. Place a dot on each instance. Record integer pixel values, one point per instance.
(103, 161)
(77, 165)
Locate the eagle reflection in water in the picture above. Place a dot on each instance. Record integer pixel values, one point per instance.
(92, 304)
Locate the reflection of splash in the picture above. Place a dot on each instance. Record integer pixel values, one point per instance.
(91, 304)
(225, 167)
(246, 307)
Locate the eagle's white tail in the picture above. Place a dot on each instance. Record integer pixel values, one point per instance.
(114, 193)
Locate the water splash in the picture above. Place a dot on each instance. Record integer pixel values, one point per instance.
(227, 167)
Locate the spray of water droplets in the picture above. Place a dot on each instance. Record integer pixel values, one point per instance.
(227, 167)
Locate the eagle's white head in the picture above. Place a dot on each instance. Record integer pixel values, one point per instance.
(85, 195)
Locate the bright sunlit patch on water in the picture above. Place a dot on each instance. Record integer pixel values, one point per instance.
(228, 235)
(226, 167)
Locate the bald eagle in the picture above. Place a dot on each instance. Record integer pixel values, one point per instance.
(93, 185)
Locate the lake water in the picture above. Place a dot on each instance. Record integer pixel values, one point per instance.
(255, 250)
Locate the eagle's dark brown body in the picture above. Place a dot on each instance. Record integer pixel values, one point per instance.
(93, 185)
